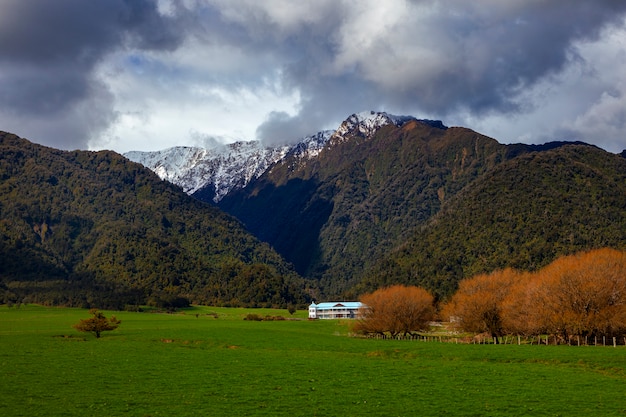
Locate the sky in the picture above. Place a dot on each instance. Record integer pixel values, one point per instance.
(152, 74)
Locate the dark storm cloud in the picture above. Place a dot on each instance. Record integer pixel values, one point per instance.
(475, 57)
(48, 52)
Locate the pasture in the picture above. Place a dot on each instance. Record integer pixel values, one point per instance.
(210, 362)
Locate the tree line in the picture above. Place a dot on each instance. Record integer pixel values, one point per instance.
(581, 295)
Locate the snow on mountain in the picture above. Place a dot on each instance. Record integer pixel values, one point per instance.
(233, 166)
(172, 164)
(225, 167)
(367, 123)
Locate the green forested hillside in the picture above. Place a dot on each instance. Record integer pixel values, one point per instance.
(93, 229)
(523, 214)
(419, 204)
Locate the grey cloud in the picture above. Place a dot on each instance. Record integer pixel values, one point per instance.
(66, 129)
(49, 51)
(484, 60)
(472, 57)
(605, 120)
(280, 128)
(42, 31)
(43, 91)
(203, 140)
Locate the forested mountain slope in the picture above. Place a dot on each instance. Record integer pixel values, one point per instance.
(334, 215)
(341, 217)
(94, 229)
(523, 214)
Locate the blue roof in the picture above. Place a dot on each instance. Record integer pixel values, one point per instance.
(337, 304)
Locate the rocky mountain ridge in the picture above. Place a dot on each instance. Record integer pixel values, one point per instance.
(211, 173)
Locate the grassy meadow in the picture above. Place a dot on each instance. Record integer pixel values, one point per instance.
(210, 362)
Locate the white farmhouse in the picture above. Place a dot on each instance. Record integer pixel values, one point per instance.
(335, 310)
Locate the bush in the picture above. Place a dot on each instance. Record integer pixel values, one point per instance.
(580, 295)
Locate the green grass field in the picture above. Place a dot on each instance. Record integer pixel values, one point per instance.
(183, 365)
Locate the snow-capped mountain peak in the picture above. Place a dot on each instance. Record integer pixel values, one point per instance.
(310, 146)
(366, 124)
(170, 164)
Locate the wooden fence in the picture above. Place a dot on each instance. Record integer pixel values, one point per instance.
(506, 340)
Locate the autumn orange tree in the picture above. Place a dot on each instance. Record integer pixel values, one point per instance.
(477, 304)
(395, 310)
(97, 324)
(520, 314)
(579, 295)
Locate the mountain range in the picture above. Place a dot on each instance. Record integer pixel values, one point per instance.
(382, 199)
(209, 174)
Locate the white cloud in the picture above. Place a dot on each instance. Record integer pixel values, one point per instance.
(159, 111)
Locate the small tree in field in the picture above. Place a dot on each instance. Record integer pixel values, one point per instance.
(97, 324)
